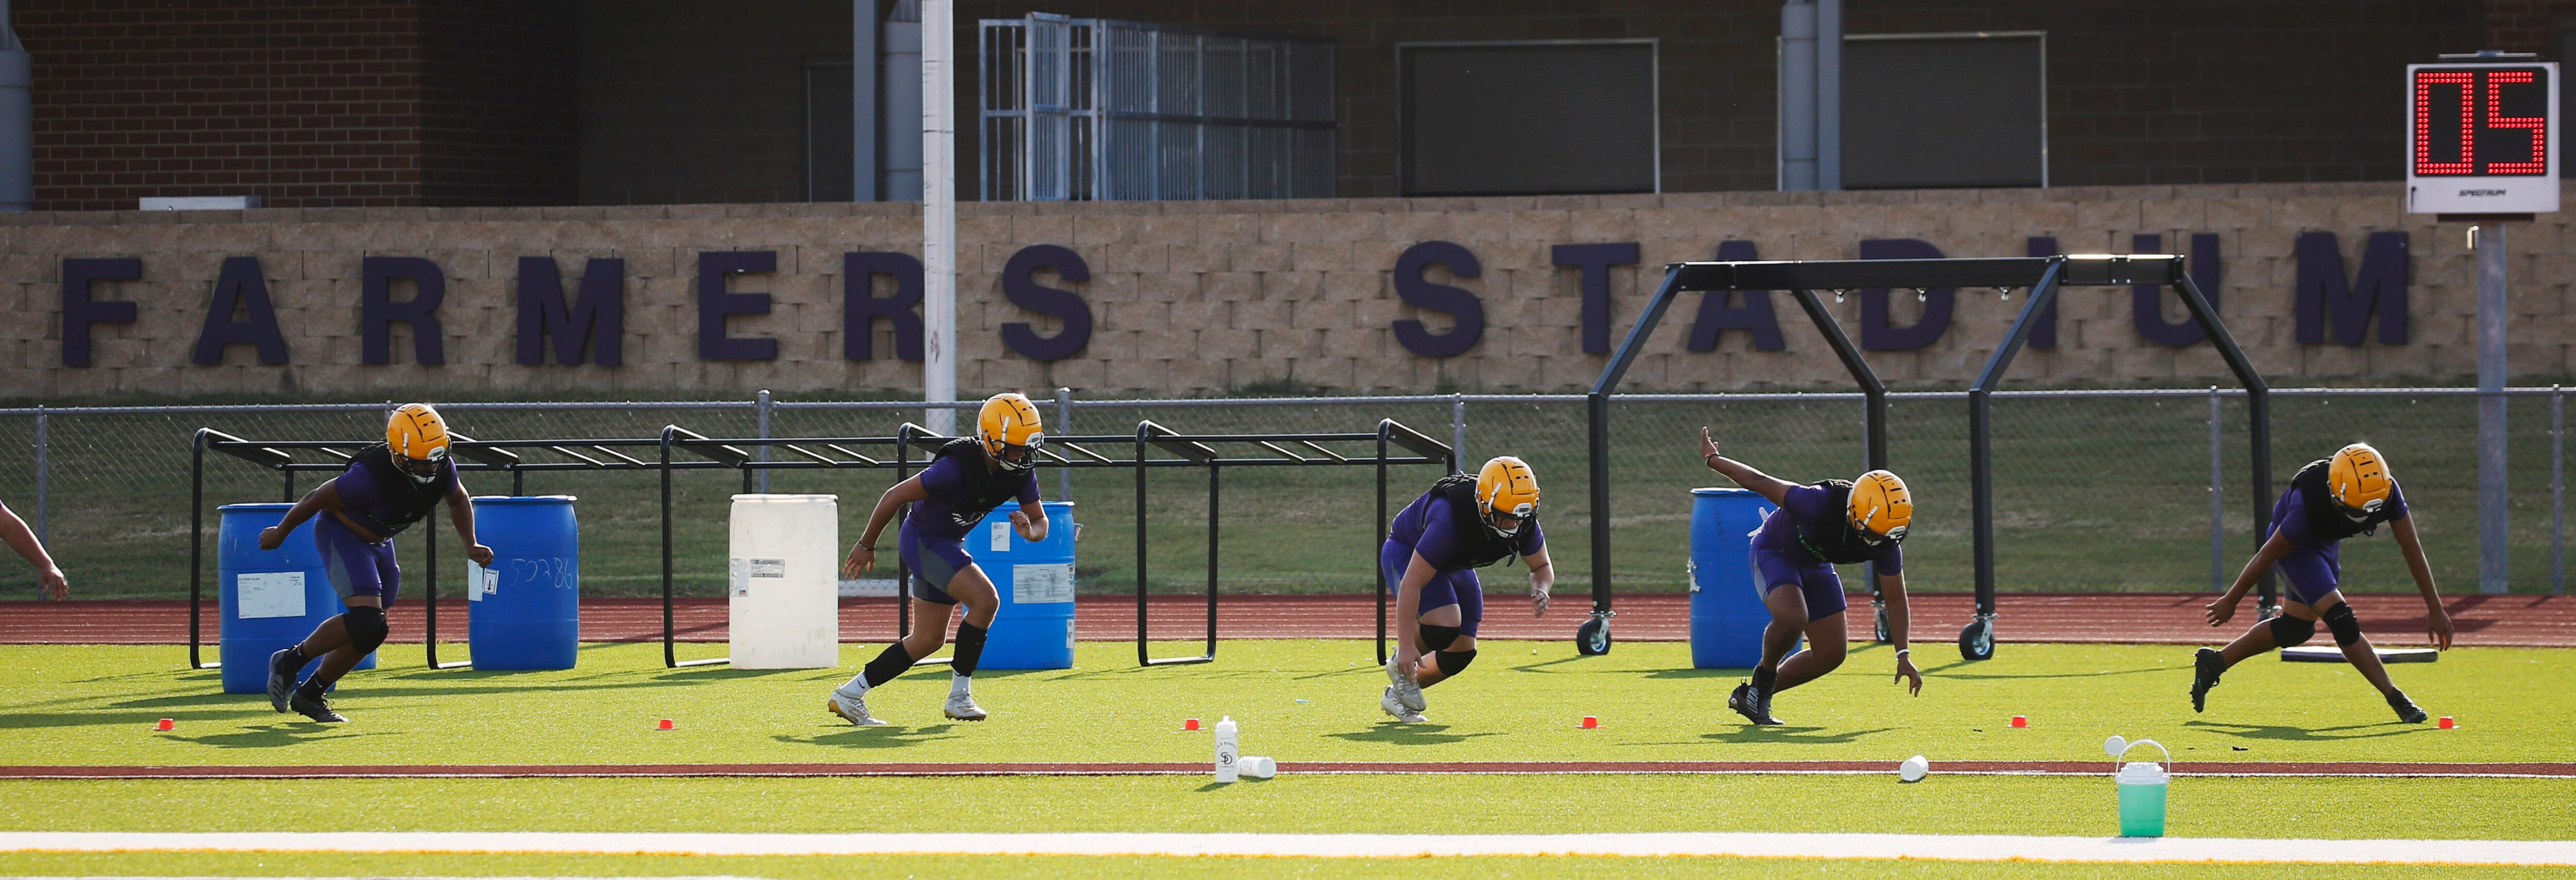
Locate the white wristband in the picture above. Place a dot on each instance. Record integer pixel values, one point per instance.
(1904, 651)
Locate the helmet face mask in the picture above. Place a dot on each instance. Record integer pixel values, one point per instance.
(1509, 523)
(1018, 456)
(422, 470)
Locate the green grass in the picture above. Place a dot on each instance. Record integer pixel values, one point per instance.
(2092, 494)
(95, 705)
(2334, 808)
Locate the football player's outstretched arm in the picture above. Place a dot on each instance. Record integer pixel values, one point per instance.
(460, 513)
(1900, 620)
(863, 555)
(49, 578)
(1743, 474)
(2273, 549)
(1542, 579)
(2437, 621)
(1031, 521)
(323, 497)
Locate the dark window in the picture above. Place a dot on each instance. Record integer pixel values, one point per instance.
(2562, 46)
(828, 147)
(1944, 110)
(1528, 118)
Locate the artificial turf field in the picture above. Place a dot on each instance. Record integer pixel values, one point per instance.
(1298, 701)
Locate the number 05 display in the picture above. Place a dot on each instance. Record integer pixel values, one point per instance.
(2482, 138)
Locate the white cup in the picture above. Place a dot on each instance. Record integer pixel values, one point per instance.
(1259, 767)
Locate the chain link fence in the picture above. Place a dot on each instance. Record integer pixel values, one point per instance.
(2095, 490)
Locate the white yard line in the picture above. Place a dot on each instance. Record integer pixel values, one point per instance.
(1833, 846)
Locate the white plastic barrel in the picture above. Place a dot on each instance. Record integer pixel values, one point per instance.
(783, 589)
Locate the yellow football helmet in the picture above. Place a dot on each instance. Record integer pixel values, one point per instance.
(1505, 486)
(418, 438)
(1008, 424)
(1881, 507)
(2358, 478)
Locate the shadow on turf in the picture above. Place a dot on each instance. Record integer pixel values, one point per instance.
(892, 736)
(1777, 734)
(1396, 733)
(273, 736)
(1542, 666)
(1944, 672)
(2306, 734)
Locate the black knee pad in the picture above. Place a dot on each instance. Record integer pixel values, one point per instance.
(2347, 628)
(2291, 632)
(1436, 637)
(366, 628)
(1454, 662)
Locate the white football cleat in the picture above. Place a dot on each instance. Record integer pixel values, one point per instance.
(853, 706)
(1403, 688)
(1391, 706)
(961, 706)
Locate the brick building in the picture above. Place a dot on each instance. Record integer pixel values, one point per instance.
(324, 103)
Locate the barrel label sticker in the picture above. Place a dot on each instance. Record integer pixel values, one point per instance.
(480, 582)
(1001, 536)
(269, 594)
(769, 568)
(1033, 584)
(738, 576)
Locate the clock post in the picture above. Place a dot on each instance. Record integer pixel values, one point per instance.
(2482, 149)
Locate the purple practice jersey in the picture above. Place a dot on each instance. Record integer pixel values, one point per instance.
(1430, 524)
(1807, 513)
(382, 500)
(962, 491)
(2290, 516)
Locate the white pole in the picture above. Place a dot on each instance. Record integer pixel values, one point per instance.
(939, 212)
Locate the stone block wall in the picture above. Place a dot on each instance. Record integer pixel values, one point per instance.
(1202, 298)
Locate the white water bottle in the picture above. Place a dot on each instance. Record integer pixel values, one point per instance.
(1228, 767)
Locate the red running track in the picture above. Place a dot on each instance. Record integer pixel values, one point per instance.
(2149, 618)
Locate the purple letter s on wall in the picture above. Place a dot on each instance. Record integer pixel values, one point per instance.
(1421, 294)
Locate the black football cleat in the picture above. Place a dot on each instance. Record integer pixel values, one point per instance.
(1744, 703)
(281, 679)
(2206, 666)
(2406, 710)
(316, 708)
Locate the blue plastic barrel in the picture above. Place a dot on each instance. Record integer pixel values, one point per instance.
(1034, 628)
(1726, 611)
(289, 594)
(528, 615)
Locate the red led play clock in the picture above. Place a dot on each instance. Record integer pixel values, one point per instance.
(2482, 137)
